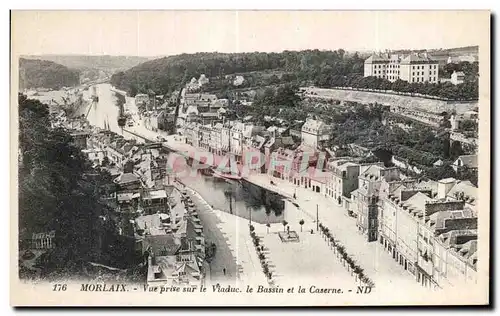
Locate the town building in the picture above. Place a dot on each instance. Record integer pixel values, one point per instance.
(80, 138)
(173, 246)
(343, 178)
(141, 100)
(44, 240)
(457, 120)
(315, 133)
(465, 162)
(459, 190)
(415, 220)
(457, 77)
(411, 68)
(365, 199)
(154, 201)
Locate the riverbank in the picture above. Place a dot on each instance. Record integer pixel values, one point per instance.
(235, 252)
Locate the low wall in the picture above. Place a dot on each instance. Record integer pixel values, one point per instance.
(365, 97)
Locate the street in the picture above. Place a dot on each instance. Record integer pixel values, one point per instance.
(224, 258)
(377, 263)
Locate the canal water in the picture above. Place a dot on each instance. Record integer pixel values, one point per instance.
(240, 198)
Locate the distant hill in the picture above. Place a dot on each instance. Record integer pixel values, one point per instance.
(104, 62)
(46, 74)
(93, 67)
(457, 51)
(164, 75)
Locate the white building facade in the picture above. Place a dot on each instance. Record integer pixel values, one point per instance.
(412, 68)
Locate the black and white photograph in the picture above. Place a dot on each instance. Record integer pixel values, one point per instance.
(257, 158)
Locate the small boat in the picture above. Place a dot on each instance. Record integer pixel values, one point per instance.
(226, 175)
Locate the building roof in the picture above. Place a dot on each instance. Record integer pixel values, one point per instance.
(447, 180)
(440, 217)
(164, 244)
(468, 249)
(418, 202)
(126, 178)
(314, 126)
(154, 194)
(469, 161)
(452, 238)
(125, 196)
(376, 58)
(146, 222)
(418, 59)
(425, 185)
(371, 173)
(464, 190)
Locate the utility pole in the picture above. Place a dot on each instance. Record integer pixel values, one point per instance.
(317, 218)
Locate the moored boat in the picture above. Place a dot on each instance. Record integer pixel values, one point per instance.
(226, 175)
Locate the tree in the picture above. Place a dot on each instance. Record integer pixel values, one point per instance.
(36, 73)
(256, 242)
(468, 125)
(59, 190)
(332, 241)
(456, 150)
(284, 225)
(301, 222)
(105, 161)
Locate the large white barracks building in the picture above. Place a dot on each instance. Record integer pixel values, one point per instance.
(411, 68)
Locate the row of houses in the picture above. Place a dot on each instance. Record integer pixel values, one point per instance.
(201, 107)
(166, 229)
(237, 137)
(173, 246)
(428, 227)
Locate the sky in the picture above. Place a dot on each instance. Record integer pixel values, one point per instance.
(161, 33)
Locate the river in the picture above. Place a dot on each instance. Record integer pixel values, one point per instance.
(240, 198)
(235, 197)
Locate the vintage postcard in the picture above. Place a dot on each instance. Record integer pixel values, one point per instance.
(250, 158)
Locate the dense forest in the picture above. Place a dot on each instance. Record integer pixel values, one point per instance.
(322, 68)
(167, 74)
(45, 74)
(59, 190)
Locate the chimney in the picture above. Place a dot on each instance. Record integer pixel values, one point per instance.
(444, 186)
